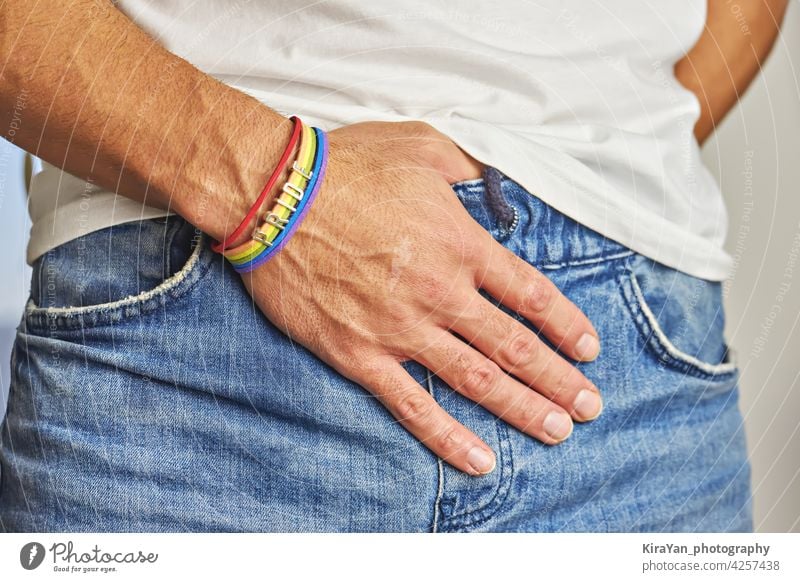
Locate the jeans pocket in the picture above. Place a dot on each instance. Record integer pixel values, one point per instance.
(679, 317)
(115, 274)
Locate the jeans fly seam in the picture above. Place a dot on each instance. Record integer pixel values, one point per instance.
(440, 470)
(485, 512)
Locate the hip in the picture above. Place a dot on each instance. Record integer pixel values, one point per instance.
(147, 395)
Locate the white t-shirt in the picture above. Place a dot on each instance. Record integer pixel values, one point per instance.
(574, 99)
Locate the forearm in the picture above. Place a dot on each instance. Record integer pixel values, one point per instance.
(106, 103)
(738, 36)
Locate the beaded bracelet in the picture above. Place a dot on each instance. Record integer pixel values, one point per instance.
(290, 207)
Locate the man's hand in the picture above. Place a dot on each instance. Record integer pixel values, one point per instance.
(386, 268)
(387, 264)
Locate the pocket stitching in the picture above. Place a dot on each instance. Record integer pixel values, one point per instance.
(174, 287)
(660, 343)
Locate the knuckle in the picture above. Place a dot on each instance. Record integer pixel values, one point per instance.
(449, 440)
(436, 296)
(460, 244)
(435, 290)
(528, 415)
(361, 369)
(521, 347)
(537, 295)
(479, 379)
(413, 405)
(358, 361)
(474, 245)
(401, 319)
(563, 383)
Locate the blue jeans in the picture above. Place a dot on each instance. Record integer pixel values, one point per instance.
(147, 395)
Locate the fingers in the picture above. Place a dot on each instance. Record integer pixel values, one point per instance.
(420, 414)
(520, 287)
(472, 374)
(518, 351)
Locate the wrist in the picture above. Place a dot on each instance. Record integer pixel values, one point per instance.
(236, 146)
(304, 177)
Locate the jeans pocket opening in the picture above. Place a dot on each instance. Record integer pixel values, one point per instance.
(40, 319)
(659, 343)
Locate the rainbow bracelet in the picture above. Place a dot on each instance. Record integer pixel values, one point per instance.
(290, 208)
(291, 193)
(313, 188)
(289, 196)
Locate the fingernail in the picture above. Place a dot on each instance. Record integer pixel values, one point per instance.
(558, 425)
(587, 405)
(481, 460)
(587, 348)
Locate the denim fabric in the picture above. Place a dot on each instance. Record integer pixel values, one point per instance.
(149, 393)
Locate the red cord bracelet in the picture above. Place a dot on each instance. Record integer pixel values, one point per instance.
(228, 240)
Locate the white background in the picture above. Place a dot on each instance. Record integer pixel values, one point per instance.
(767, 123)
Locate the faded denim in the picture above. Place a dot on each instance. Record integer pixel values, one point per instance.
(147, 396)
